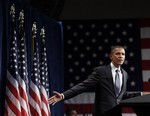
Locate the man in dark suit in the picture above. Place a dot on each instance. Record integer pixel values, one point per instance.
(107, 93)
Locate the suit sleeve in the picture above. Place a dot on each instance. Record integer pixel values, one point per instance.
(129, 94)
(84, 86)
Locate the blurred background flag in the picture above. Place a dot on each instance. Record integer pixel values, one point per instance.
(89, 42)
(145, 48)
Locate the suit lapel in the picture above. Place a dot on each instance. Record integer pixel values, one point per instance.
(110, 80)
(124, 80)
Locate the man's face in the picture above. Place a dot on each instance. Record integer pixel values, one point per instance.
(118, 56)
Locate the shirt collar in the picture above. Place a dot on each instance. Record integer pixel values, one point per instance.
(113, 67)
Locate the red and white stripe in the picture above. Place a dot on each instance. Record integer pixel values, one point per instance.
(84, 104)
(145, 50)
(12, 98)
(44, 103)
(34, 100)
(25, 109)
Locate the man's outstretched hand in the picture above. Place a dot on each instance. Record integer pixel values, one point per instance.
(145, 92)
(55, 98)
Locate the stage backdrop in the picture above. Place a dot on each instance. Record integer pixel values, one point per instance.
(87, 44)
(53, 44)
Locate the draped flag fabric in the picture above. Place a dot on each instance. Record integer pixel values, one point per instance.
(23, 70)
(89, 42)
(31, 61)
(145, 51)
(44, 77)
(18, 101)
(35, 83)
(39, 84)
(12, 101)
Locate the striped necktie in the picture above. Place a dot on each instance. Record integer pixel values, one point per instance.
(117, 82)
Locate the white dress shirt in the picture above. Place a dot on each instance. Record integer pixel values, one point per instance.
(113, 70)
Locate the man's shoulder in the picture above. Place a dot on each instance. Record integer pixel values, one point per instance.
(102, 67)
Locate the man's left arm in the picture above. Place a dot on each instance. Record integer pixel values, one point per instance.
(130, 94)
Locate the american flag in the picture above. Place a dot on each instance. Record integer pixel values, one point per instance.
(145, 51)
(12, 98)
(23, 72)
(39, 84)
(87, 44)
(44, 77)
(35, 83)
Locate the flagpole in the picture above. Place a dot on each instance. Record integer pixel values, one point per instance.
(34, 32)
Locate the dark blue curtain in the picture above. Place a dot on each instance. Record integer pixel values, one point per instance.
(54, 45)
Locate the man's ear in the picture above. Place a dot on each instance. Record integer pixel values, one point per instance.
(110, 56)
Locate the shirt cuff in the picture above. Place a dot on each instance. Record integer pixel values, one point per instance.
(63, 97)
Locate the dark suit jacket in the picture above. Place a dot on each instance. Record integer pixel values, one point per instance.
(105, 99)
